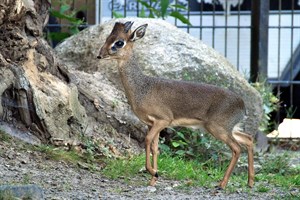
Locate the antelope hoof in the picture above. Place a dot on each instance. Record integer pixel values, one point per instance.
(153, 181)
(250, 184)
(221, 185)
(218, 187)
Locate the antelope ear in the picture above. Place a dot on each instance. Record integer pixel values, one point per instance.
(138, 33)
(127, 26)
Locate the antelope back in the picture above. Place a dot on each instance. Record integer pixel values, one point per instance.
(119, 43)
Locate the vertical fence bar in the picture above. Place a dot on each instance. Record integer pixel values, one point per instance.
(238, 36)
(112, 8)
(227, 13)
(201, 18)
(188, 15)
(177, 10)
(97, 11)
(86, 12)
(138, 9)
(125, 8)
(279, 55)
(292, 57)
(214, 25)
(259, 39)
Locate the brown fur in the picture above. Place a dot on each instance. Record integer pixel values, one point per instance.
(162, 103)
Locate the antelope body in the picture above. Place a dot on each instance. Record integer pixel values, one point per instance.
(162, 103)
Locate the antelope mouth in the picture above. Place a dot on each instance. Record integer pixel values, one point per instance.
(103, 57)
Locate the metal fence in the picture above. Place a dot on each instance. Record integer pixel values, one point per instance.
(259, 37)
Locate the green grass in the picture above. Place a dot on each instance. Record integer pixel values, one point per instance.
(4, 137)
(6, 195)
(84, 158)
(71, 156)
(208, 174)
(123, 167)
(174, 168)
(276, 171)
(287, 181)
(58, 153)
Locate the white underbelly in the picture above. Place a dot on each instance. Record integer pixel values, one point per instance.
(189, 123)
(184, 122)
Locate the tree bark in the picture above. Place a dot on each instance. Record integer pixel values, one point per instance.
(29, 70)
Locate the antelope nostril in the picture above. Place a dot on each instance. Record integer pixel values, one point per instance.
(99, 57)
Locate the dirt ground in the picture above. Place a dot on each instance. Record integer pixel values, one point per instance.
(58, 180)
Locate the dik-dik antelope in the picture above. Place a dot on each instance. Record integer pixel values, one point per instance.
(161, 103)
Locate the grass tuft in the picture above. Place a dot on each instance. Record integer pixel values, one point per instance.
(4, 137)
(58, 154)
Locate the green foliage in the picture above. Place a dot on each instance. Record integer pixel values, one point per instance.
(89, 145)
(193, 144)
(87, 153)
(270, 104)
(54, 153)
(26, 179)
(68, 14)
(117, 15)
(86, 157)
(290, 111)
(273, 163)
(4, 137)
(263, 188)
(90, 149)
(165, 9)
(7, 195)
(276, 170)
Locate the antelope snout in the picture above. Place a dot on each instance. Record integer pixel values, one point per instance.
(105, 57)
(103, 54)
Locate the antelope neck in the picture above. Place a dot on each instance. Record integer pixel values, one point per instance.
(134, 81)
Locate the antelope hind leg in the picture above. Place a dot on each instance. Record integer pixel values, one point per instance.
(225, 136)
(247, 141)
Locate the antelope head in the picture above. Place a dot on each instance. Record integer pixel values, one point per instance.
(119, 43)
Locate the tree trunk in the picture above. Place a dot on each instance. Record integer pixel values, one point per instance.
(35, 92)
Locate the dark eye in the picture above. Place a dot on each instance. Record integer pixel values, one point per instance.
(119, 44)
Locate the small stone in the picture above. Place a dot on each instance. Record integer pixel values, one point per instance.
(168, 188)
(175, 185)
(33, 192)
(83, 165)
(10, 155)
(23, 161)
(151, 189)
(54, 184)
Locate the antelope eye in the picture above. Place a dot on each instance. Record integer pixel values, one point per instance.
(119, 44)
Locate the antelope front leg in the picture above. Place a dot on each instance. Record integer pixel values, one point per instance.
(152, 138)
(154, 148)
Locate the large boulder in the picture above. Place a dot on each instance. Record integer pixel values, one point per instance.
(165, 51)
